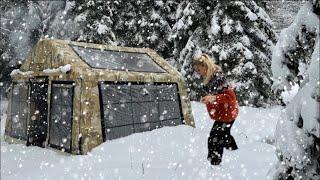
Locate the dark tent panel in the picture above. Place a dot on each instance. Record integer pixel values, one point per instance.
(61, 115)
(131, 107)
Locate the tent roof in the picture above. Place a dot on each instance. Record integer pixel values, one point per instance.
(96, 56)
(51, 56)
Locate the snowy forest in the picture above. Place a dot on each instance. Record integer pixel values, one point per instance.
(269, 52)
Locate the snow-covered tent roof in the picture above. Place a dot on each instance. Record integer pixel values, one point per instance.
(53, 54)
(94, 70)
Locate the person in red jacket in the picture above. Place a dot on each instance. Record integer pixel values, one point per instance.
(221, 104)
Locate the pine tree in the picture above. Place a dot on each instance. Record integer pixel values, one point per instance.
(295, 60)
(149, 25)
(237, 34)
(63, 24)
(95, 20)
(142, 23)
(25, 22)
(293, 52)
(12, 27)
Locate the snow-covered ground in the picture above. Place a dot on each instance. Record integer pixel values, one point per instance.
(167, 153)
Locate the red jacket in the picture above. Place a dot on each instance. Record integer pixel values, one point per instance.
(225, 108)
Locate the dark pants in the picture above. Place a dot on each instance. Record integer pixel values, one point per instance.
(220, 138)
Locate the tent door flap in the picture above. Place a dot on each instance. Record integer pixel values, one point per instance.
(38, 125)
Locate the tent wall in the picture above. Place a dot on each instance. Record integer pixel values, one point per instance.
(76, 131)
(90, 124)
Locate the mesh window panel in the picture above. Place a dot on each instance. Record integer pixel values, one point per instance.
(142, 93)
(145, 112)
(167, 92)
(19, 111)
(56, 96)
(169, 110)
(117, 60)
(55, 121)
(61, 116)
(171, 122)
(146, 126)
(118, 115)
(144, 107)
(65, 127)
(112, 93)
(66, 95)
(24, 109)
(16, 95)
(118, 132)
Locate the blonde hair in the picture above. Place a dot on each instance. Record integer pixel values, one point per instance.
(206, 61)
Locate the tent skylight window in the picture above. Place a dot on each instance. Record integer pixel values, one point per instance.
(118, 60)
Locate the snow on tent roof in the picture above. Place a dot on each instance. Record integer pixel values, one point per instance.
(117, 60)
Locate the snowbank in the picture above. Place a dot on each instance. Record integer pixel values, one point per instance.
(167, 153)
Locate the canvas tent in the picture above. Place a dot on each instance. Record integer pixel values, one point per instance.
(73, 96)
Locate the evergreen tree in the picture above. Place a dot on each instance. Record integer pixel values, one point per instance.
(12, 35)
(146, 24)
(237, 34)
(95, 20)
(25, 22)
(142, 23)
(292, 54)
(295, 60)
